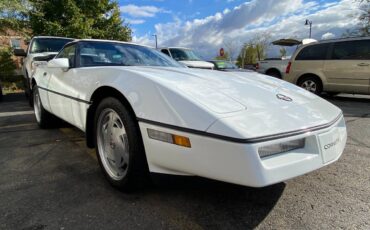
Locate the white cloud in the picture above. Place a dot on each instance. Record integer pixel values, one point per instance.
(280, 19)
(141, 11)
(327, 35)
(135, 21)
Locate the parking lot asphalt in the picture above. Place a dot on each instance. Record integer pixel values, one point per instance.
(50, 180)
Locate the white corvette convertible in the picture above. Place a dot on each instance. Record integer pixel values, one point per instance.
(144, 113)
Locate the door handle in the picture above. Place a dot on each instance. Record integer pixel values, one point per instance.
(363, 64)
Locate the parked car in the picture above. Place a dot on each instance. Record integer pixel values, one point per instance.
(40, 46)
(274, 67)
(143, 112)
(334, 66)
(187, 57)
(227, 66)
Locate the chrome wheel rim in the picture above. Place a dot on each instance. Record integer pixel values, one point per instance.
(112, 144)
(37, 105)
(309, 85)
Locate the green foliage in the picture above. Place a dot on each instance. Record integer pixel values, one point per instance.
(78, 19)
(7, 65)
(282, 52)
(13, 14)
(250, 54)
(254, 50)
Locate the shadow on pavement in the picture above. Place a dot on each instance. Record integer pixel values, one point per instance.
(213, 204)
(14, 97)
(348, 98)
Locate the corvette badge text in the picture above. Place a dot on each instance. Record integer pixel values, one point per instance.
(332, 144)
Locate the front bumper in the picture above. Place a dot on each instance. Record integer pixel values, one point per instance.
(240, 163)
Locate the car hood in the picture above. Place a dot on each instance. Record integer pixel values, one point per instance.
(198, 64)
(246, 104)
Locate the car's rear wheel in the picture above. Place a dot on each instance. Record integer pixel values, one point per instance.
(119, 146)
(312, 84)
(44, 118)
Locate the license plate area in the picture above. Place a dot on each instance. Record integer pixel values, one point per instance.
(330, 143)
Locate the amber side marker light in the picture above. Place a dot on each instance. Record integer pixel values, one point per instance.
(169, 138)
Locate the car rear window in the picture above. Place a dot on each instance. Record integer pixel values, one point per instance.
(351, 50)
(313, 52)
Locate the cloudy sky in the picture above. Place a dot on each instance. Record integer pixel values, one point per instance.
(207, 25)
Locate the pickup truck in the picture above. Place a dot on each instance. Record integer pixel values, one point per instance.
(274, 67)
(39, 46)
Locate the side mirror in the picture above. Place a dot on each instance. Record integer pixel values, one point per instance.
(62, 63)
(20, 52)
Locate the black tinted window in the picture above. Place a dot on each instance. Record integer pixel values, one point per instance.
(313, 52)
(351, 50)
(165, 52)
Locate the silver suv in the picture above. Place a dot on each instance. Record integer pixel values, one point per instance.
(333, 66)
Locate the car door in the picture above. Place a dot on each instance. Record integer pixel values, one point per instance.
(348, 67)
(62, 92)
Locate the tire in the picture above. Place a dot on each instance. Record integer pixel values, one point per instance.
(119, 146)
(26, 87)
(44, 118)
(274, 73)
(30, 98)
(312, 84)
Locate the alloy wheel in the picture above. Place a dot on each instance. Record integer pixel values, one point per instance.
(113, 144)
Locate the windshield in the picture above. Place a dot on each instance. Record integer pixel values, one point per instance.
(120, 54)
(225, 65)
(41, 45)
(184, 55)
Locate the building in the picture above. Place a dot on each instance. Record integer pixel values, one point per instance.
(14, 40)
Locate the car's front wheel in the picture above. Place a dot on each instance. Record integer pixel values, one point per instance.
(119, 146)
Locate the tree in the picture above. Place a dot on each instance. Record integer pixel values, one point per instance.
(13, 15)
(231, 47)
(78, 19)
(7, 65)
(364, 20)
(254, 50)
(282, 52)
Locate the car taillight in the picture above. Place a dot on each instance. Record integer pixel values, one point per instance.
(257, 65)
(288, 68)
